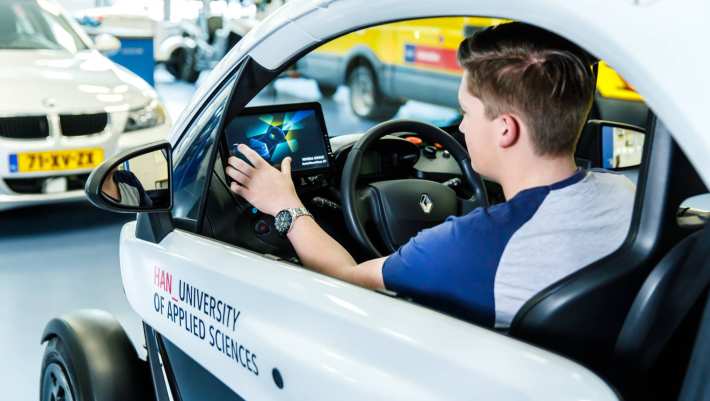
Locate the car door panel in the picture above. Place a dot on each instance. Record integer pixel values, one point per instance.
(322, 338)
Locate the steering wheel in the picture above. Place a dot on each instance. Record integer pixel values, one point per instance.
(401, 208)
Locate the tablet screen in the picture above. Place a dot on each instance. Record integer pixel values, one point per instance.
(274, 135)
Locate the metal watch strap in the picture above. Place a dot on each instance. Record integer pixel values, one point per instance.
(297, 212)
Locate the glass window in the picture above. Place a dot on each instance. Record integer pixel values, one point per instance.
(29, 25)
(191, 156)
(409, 69)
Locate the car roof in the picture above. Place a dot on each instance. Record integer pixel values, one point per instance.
(658, 45)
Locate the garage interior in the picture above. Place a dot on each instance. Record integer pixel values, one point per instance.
(64, 256)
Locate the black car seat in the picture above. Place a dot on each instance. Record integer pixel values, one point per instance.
(581, 315)
(655, 343)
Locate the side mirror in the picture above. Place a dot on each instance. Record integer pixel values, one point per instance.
(106, 43)
(620, 145)
(138, 180)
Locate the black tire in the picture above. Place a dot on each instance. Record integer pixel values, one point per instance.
(58, 379)
(171, 65)
(327, 90)
(366, 98)
(61, 378)
(183, 65)
(232, 40)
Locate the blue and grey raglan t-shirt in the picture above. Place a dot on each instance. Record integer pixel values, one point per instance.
(485, 265)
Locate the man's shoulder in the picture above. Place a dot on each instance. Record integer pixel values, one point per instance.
(611, 180)
(498, 221)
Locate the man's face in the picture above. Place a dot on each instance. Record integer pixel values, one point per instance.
(479, 131)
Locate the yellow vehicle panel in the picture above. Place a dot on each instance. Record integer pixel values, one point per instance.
(436, 40)
(388, 41)
(611, 85)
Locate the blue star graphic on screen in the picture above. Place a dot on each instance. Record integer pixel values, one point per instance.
(273, 136)
(265, 144)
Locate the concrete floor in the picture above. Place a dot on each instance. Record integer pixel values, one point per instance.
(55, 259)
(59, 258)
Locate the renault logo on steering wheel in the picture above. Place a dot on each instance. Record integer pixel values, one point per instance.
(425, 203)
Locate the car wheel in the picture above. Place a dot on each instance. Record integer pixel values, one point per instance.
(232, 40)
(366, 98)
(58, 380)
(188, 68)
(172, 65)
(327, 90)
(183, 65)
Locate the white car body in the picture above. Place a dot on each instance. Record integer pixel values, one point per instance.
(137, 21)
(51, 83)
(333, 340)
(182, 31)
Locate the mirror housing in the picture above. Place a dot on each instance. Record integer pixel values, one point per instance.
(106, 43)
(136, 180)
(618, 146)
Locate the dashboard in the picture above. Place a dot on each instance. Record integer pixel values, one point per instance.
(403, 155)
(298, 131)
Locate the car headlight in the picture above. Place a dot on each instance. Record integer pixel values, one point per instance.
(145, 117)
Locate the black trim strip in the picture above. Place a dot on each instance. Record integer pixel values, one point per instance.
(172, 382)
(156, 371)
(202, 208)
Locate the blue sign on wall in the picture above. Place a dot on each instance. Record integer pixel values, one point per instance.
(136, 54)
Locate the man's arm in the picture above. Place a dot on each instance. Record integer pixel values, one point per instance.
(271, 191)
(110, 188)
(320, 252)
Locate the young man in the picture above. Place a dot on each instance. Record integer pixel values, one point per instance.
(524, 101)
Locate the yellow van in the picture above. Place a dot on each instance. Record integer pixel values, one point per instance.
(386, 65)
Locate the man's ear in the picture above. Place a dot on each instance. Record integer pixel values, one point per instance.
(509, 130)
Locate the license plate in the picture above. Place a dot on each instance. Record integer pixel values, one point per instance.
(28, 162)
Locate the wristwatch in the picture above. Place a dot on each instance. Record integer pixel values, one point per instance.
(283, 221)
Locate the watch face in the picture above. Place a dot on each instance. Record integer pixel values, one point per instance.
(282, 221)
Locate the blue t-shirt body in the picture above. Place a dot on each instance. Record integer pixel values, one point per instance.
(484, 265)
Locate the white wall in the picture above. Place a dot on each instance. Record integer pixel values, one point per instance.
(77, 5)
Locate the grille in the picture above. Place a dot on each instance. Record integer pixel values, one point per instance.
(30, 127)
(82, 124)
(34, 185)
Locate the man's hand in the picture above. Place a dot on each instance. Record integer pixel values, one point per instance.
(271, 191)
(265, 187)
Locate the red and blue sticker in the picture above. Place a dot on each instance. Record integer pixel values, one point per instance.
(431, 57)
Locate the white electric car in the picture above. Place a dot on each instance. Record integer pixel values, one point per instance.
(229, 313)
(64, 106)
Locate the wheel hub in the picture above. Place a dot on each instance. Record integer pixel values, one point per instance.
(363, 92)
(56, 384)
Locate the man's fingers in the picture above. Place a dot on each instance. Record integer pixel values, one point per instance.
(240, 165)
(237, 175)
(286, 166)
(251, 155)
(236, 188)
(239, 190)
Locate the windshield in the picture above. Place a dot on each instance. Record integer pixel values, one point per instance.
(30, 25)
